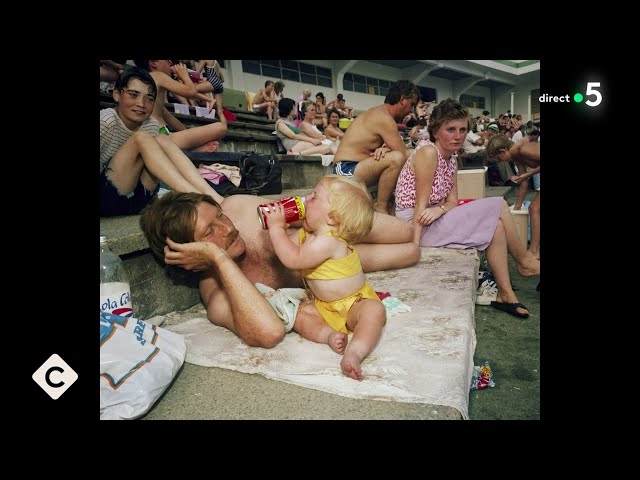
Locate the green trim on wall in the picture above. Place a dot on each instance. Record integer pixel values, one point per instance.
(509, 63)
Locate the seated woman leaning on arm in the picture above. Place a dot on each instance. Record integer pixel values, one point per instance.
(321, 113)
(332, 131)
(293, 139)
(427, 195)
(308, 112)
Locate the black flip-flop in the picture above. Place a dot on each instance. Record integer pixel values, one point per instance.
(511, 308)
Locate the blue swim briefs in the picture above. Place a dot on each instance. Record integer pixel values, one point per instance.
(345, 168)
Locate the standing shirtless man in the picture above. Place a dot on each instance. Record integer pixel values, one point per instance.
(372, 149)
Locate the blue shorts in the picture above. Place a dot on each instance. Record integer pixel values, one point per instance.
(113, 204)
(345, 168)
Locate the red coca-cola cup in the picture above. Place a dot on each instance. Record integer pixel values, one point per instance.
(293, 210)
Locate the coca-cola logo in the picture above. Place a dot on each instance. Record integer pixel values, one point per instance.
(118, 306)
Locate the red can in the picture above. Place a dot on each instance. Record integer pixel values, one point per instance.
(293, 210)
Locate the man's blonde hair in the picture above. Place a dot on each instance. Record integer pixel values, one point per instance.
(351, 207)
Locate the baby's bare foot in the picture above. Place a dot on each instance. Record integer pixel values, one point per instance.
(338, 341)
(350, 365)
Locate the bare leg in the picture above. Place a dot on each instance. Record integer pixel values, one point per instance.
(388, 245)
(366, 319)
(498, 261)
(308, 148)
(376, 257)
(385, 172)
(528, 266)
(313, 327)
(221, 116)
(534, 218)
(189, 179)
(192, 138)
(142, 158)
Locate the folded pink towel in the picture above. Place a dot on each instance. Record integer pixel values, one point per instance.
(211, 175)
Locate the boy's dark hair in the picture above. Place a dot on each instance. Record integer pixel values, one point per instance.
(399, 89)
(268, 82)
(132, 73)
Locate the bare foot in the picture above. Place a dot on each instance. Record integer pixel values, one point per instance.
(338, 341)
(530, 266)
(512, 299)
(208, 147)
(536, 255)
(350, 365)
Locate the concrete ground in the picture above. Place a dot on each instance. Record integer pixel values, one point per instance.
(511, 345)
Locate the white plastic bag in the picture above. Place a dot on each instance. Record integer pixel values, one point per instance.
(137, 363)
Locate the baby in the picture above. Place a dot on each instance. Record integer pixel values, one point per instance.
(339, 212)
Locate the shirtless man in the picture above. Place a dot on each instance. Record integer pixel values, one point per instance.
(265, 99)
(526, 155)
(205, 138)
(227, 244)
(361, 153)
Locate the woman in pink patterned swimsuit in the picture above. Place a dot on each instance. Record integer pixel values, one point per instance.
(427, 195)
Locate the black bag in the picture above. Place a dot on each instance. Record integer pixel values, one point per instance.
(261, 173)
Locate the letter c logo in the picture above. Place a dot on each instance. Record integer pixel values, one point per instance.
(48, 380)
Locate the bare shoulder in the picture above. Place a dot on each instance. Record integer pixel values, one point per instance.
(531, 151)
(242, 203)
(160, 78)
(380, 114)
(425, 154)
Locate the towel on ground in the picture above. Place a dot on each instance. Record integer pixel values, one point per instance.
(424, 355)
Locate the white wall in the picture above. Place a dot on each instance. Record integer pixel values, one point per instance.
(520, 99)
(238, 80)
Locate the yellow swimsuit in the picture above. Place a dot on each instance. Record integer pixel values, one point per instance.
(335, 313)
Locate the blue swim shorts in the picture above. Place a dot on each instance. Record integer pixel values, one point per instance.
(345, 168)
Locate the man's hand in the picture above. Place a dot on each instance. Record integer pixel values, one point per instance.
(379, 153)
(194, 256)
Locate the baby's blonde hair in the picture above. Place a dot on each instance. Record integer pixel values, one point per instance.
(351, 207)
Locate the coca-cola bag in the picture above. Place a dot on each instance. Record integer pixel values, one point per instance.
(137, 363)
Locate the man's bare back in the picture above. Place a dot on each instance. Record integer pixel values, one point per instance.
(526, 153)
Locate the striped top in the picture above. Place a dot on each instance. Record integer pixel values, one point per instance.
(114, 134)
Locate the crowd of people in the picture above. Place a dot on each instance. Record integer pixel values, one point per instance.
(345, 233)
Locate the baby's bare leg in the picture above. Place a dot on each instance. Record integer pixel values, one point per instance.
(310, 325)
(366, 319)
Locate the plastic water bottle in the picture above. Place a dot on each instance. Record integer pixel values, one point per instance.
(115, 290)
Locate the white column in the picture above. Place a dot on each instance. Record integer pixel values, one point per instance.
(237, 76)
(512, 95)
(529, 108)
